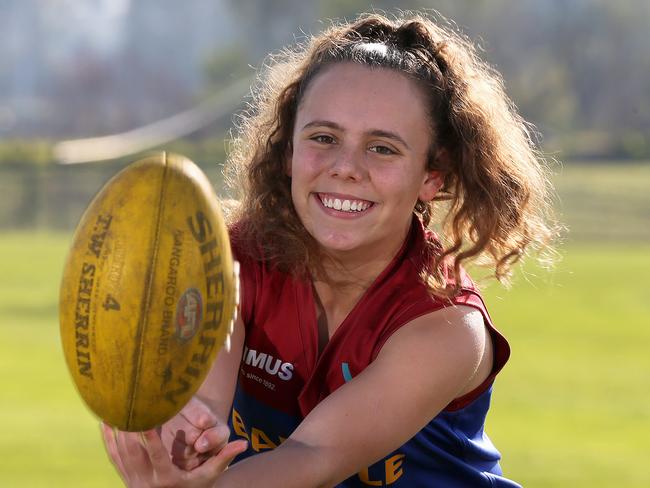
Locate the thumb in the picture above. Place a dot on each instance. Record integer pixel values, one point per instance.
(212, 439)
(217, 464)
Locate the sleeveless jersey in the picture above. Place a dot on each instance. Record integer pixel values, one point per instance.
(282, 377)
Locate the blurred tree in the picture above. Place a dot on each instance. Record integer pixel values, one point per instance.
(266, 26)
(578, 69)
(226, 65)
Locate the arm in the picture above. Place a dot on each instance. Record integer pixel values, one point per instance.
(201, 428)
(153, 458)
(420, 369)
(218, 388)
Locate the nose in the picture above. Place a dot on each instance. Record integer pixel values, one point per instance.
(348, 164)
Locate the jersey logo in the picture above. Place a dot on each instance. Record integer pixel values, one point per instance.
(345, 369)
(266, 362)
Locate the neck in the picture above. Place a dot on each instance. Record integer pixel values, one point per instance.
(346, 278)
(362, 265)
(350, 273)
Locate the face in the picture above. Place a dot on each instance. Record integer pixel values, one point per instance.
(358, 166)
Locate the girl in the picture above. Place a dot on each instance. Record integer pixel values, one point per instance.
(364, 354)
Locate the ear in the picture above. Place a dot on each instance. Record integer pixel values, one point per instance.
(434, 179)
(430, 186)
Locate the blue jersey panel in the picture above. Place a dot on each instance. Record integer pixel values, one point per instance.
(264, 427)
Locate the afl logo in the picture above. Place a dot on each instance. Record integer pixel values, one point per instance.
(189, 312)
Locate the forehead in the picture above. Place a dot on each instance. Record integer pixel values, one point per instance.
(362, 95)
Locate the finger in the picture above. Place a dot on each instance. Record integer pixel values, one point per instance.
(208, 445)
(183, 454)
(158, 455)
(213, 439)
(217, 464)
(189, 463)
(183, 444)
(180, 430)
(199, 414)
(133, 455)
(111, 449)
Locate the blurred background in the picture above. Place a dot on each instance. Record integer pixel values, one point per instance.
(88, 85)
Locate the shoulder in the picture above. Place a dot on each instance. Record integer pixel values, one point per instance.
(453, 341)
(459, 324)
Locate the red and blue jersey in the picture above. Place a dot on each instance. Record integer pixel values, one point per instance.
(282, 376)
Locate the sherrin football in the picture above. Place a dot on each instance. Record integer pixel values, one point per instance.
(148, 293)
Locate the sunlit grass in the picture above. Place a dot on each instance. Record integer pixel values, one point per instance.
(571, 407)
(605, 202)
(48, 437)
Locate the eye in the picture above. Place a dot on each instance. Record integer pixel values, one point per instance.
(383, 150)
(323, 139)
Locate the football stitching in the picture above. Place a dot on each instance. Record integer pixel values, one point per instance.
(137, 359)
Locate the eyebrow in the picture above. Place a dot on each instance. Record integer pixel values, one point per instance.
(374, 132)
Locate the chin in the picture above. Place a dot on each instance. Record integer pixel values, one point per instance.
(337, 242)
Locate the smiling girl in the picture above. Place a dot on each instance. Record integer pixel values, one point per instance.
(364, 354)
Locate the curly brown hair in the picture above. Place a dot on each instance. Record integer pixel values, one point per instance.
(496, 191)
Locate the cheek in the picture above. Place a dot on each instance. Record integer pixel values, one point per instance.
(398, 184)
(303, 169)
(305, 164)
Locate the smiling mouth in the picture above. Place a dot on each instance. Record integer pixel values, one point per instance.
(344, 205)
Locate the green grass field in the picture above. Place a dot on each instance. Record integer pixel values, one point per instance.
(571, 409)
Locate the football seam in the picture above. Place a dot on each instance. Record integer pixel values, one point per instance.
(149, 276)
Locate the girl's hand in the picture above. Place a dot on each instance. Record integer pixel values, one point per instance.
(142, 461)
(194, 435)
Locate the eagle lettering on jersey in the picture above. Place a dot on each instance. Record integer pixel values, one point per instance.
(268, 363)
(383, 473)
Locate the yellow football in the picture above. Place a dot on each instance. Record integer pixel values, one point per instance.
(148, 293)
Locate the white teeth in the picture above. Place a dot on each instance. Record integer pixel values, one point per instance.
(345, 205)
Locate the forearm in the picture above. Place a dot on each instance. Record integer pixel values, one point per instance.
(218, 389)
(220, 406)
(292, 464)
